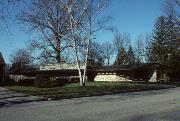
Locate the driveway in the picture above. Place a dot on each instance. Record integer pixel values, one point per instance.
(162, 105)
(8, 98)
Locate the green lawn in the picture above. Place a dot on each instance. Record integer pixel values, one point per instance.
(91, 89)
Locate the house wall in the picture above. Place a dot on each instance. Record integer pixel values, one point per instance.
(110, 77)
(153, 77)
(113, 77)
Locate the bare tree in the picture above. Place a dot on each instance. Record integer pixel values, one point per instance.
(20, 59)
(122, 40)
(49, 18)
(121, 43)
(148, 40)
(77, 12)
(140, 49)
(126, 40)
(96, 55)
(118, 41)
(108, 49)
(82, 19)
(64, 24)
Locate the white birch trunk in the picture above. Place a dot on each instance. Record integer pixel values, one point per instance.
(78, 64)
(75, 48)
(86, 59)
(82, 76)
(87, 50)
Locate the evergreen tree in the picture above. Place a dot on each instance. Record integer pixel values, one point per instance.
(121, 57)
(171, 36)
(1, 59)
(130, 57)
(172, 30)
(164, 46)
(158, 48)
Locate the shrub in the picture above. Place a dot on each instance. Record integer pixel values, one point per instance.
(41, 81)
(46, 81)
(9, 81)
(25, 82)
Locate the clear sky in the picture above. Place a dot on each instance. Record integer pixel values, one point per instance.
(132, 16)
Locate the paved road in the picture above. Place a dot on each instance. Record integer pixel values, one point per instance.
(160, 105)
(8, 98)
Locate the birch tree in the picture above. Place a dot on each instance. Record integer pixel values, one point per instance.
(82, 18)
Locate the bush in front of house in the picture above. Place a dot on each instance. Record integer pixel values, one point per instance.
(25, 82)
(45, 81)
(21, 82)
(9, 81)
(41, 81)
(48, 81)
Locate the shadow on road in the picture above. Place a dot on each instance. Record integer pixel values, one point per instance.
(165, 116)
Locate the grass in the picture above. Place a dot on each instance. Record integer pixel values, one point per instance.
(92, 89)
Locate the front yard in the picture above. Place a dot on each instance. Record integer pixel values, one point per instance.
(92, 89)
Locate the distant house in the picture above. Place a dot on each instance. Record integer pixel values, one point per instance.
(2, 70)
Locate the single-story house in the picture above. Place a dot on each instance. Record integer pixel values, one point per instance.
(136, 72)
(126, 73)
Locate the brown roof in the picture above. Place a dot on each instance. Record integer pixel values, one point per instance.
(125, 67)
(1, 59)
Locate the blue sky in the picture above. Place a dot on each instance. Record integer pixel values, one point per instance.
(132, 16)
